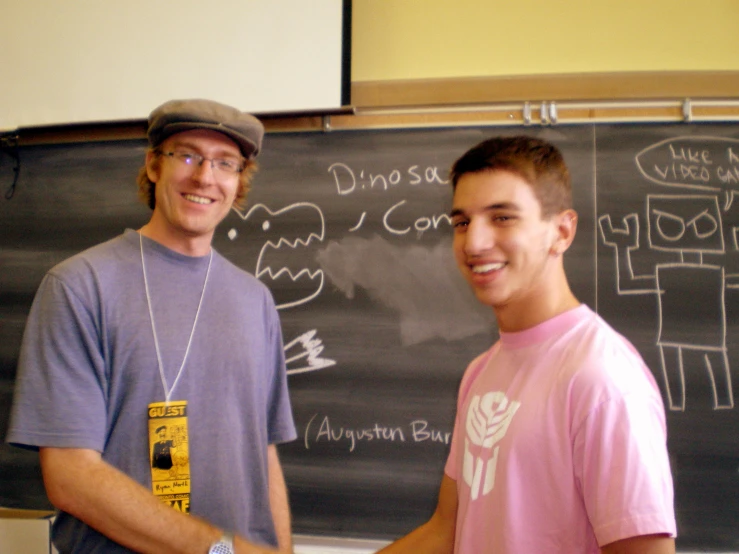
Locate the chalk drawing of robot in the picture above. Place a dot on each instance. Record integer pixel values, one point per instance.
(688, 227)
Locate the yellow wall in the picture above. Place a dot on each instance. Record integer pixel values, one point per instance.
(425, 39)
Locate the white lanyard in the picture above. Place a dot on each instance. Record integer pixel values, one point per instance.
(168, 392)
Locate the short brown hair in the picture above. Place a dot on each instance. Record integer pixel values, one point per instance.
(536, 161)
(147, 187)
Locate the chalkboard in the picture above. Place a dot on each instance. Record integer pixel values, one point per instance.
(350, 231)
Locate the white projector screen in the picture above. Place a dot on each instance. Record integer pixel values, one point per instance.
(73, 61)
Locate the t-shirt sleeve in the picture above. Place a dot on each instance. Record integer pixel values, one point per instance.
(622, 465)
(281, 427)
(60, 393)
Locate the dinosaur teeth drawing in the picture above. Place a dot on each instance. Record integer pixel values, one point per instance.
(286, 263)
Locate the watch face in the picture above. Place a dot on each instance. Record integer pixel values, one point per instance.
(221, 548)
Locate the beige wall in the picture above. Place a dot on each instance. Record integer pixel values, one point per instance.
(425, 39)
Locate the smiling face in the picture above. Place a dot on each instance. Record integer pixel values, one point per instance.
(190, 200)
(509, 253)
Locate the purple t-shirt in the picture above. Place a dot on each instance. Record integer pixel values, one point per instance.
(559, 443)
(88, 370)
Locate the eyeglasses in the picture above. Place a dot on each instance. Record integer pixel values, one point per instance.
(221, 165)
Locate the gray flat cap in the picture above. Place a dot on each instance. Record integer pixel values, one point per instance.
(177, 116)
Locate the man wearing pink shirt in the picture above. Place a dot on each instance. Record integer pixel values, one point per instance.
(559, 444)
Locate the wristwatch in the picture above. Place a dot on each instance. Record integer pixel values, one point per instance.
(224, 545)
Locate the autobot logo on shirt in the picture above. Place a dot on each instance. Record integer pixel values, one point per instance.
(488, 418)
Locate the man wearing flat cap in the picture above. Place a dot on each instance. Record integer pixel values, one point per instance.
(154, 328)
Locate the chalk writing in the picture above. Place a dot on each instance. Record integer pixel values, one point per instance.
(323, 430)
(349, 180)
(700, 163)
(396, 219)
(421, 225)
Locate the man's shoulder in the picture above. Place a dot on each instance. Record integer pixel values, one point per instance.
(604, 360)
(244, 289)
(240, 276)
(109, 253)
(604, 341)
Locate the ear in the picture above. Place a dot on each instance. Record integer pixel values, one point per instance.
(151, 170)
(565, 227)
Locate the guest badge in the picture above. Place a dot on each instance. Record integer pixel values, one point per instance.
(170, 457)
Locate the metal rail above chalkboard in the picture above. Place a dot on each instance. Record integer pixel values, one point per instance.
(538, 113)
(526, 113)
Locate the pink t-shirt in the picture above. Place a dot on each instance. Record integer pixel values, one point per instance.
(559, 443)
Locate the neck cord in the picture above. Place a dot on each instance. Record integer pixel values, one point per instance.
(168, 392)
